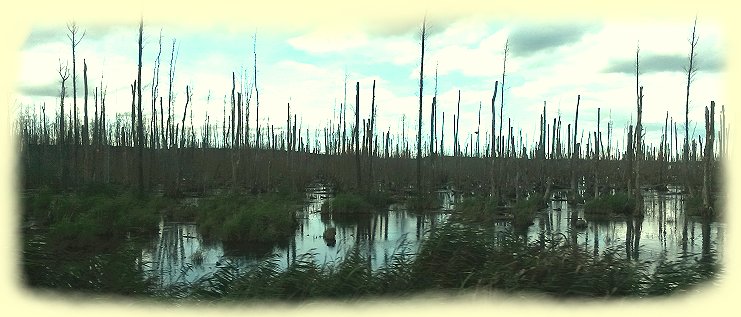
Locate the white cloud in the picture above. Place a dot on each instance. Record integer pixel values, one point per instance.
(324, 41)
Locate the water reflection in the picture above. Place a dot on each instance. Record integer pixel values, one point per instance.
(664, 229)
(180, 254)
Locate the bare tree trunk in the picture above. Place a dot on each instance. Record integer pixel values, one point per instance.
(140, 133)
(629, 156)
(357, 135)
(64, 75)
(85, 130)
(478, 132)
(371, 132)
(574, 154)
(170, 111)
(708, 160)
(639, 156)
(423, 37)
(257, 94)
(492, 169)
(457, 120)
(597, 155)
(691, 70)
(72, 36)
(433, 120)
(501, 108)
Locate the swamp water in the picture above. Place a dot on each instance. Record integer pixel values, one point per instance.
(178, 253)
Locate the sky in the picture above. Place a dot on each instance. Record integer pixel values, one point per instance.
(549, 61)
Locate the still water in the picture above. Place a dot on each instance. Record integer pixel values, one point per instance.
(179, 254)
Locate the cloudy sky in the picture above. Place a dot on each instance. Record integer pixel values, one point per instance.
(306, 65)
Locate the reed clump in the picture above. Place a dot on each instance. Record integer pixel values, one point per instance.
(249, 218)
(458, 258)
(609, 205)
(353, 203)
(479, 209)
(90, 219)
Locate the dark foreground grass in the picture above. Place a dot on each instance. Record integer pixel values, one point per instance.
(456, 258)
(248, 218)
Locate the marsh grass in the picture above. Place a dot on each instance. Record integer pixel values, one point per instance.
(478, 209)
(456, 258)
(610, 205)
(524, 211)
(423, 202)
(251, 218)
(119, 271)
(355, 203)
(93, 218)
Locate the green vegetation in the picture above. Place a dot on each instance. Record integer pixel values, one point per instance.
(486, 209)
(478, 209)
(694, 206)
(422, 202)
(351, 203)
(609, 205)
(459, 259)
(524, 211)
(119, 271)
(260, 218)
(90, 219)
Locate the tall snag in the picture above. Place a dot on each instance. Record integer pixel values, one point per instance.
(691, 69)
(63, 75)
(356, 134)
(492, 176)
(574, 154)
(140, 126)
(423, 37)
(708, 161)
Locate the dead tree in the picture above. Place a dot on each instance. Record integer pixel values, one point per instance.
(501, 108)
(63, 75)
(574, 154)
(708, 161)
(72, 36)
(257, 93)
(155, 140)
(433, 120)
(85, 136)
(140, 132)
(691, 69)
(423, 38)
(356, 133)
(638, 156)
(170, 133)
(457, 123)
(371, 133)
(492, 170)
